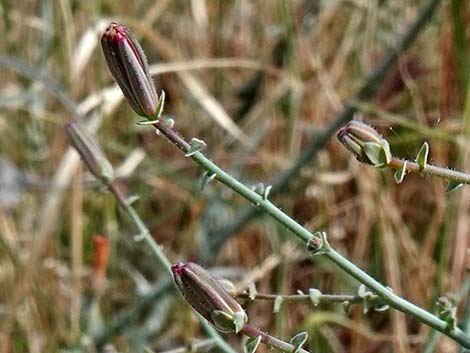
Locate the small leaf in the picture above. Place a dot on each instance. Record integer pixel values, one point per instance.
(315, 296)
(381, 307)
(346, 306)
(373, 151)
(387, 155)
(132, 199)
(362, 291)
(259, 189)
(262, 190)
(453, 185)
(138, 237)
(252, 344)
(298, 340)
(399, 175)
(228, 285)
(170, 122)
(422, 158)
(148, 122)
(223, 322)
(365, 306)
(161, 104)
(252, 291)
(207, 177)
(266, 192)
(239, 320)
(277, 304)
(196, 146)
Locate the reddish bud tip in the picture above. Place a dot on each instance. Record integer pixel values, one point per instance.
(128, 65)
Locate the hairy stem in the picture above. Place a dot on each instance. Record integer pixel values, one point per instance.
(413, 167)
(323, 298)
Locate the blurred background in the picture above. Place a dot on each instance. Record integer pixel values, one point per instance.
(258, 81)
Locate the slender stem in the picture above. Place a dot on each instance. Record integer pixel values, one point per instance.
(432, 170)
(143, 230)
(269, 340)
(397, 302)
(323, 298)
(160, 255)
(226, 179)
(303, 234)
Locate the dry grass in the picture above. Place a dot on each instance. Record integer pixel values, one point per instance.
(253, 79)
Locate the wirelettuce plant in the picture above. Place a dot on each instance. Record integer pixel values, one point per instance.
(128, 65)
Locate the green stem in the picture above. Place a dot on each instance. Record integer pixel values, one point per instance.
(165, 262)
(143, 230)
(323, 298)
(397, 302)
(432, 170)
(303, 234)
(160, 255)
(269, 340)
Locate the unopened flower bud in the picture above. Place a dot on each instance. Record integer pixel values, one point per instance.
(208, 297)
(128, 65)
(365, 143)
(90, 151)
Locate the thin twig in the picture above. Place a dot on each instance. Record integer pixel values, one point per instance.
(157, 250)
(322, 298)
(432, 170)
(263, 203)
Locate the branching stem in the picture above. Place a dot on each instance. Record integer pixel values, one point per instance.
(392, 299)
(432, 170)
(323, 298)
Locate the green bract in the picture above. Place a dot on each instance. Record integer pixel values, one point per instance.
(365, 143)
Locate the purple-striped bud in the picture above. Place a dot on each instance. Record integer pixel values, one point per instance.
(128, 65)
(208, 297)
(365, 143)
(90, 151)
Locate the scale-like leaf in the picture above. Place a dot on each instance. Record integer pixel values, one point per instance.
(252, 344)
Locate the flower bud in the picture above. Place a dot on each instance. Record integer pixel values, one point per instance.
(90, 151)
(128, 65)
(365, 143)
(208, 297)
